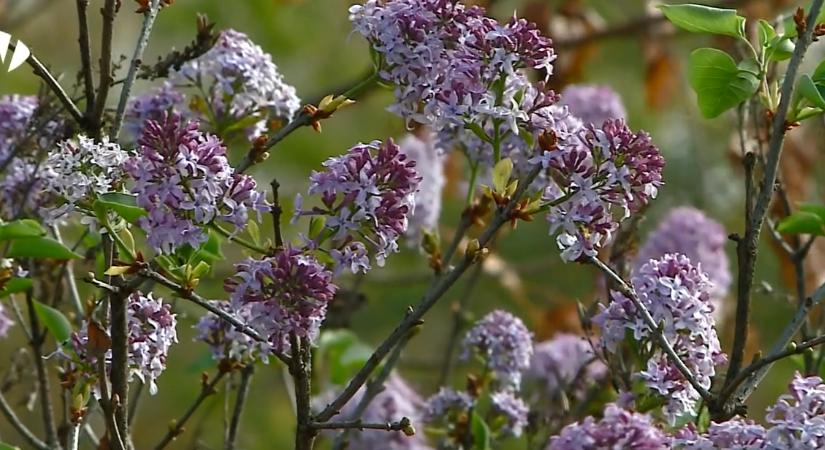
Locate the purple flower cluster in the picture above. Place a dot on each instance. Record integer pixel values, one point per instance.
(735, 434)
(78, 170)
(796, 421)
(366, 195)
(512, 409)
(676, 294)
(593, 104)
(505, 345)
(184, 181)
(445, 405)
(283, 294)
(449, 62)
(15, 113)
(241, 81)
(22, 190)
(690, 232)
(395, 401)
(152, 105)
(225, 341)
(151, 328)
(429, 164)
(565, 364)
(618, 429)
(600, 177)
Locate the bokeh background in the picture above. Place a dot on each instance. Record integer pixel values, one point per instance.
(312, 44)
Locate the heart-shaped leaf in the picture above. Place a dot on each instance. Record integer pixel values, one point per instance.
(719, 84)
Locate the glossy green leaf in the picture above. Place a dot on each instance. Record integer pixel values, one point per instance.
(705, 19)
(813, 208)
(810, 91)
(481, 432)
(25, 228)
(15, 285)
(39, 248)
(124, 205)
(802, 222)
(54, 321)
(718, 82)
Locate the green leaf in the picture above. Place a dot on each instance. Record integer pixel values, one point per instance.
(819, 74)
(481, 432)
(501, 174)
(766, 32)
(21, 229)
(54, 321)
(809, 91)
(780, 49)
(316, 226)
(124, 205)
(705, 19)
(4, 446)
(254, 232)
(802, 222)
(15, 285)
(39, 248)
(812, 208)
(719, 84)
(344, 353)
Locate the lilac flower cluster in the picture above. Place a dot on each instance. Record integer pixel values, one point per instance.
(396, 401)
(676, 294)
(366, 195)
(152, 105)
(151, 328)
(735, 434)
(184, 181)
(450, 63)
(512, 409)
(16, 111)
(429, 163)
(80, 169)
(618, 429)
(22, 190)
(798, 418)
(241, 81)
(690, 232)
(565, 364)
(601, 177)
(283, 294)
(445, 405)
(504, 344)
(593, 104)
(225, 341)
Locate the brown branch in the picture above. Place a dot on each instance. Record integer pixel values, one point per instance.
(41, 71)
(301, 371)
(240, 402)
(402, 425)
(85, 54)
(36, 344)
(763, 201)
(108, 12)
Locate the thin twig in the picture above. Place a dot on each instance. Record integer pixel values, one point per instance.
(763, 200)
(458, 323)
(85, 54)
(401, 425)
(276, 213)
(108, 12)
(36, 343)
(148, 21)
(190, 295)
(373, 388)
(20, 426)
(657, 333)
(177, 427)
(741, 390)
(435, 292)
(240, 402)
(41, 71)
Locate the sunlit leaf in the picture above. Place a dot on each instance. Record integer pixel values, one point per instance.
(705, 19)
